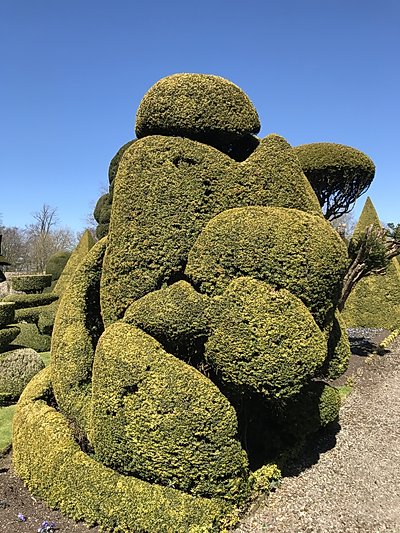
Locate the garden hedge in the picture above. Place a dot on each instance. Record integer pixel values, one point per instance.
(30, 283)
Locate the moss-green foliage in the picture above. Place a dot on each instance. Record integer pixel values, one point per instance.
(175, 316)
(316, 406)
(263, 340)
(56, 263)
(159, 419)
(28, 314)
(47, 317)
(167, 189)
(6, 416)
(375, 300)
(31, 337)
(17, 368)
(84, 245)
(77, 327)
(205, 108)
(53, 466)
(31, 283)
(8, 334)
(7, 313)
(338, 349)
(339, 174)
(284, 247)
(30, 300)
(102, 211)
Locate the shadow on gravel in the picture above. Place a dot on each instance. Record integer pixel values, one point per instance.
(362, 346)
(320, 443)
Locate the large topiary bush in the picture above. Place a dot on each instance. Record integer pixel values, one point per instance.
(191, 336)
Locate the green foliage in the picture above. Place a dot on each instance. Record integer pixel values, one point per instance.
(56, 263)
(205, 108)
(375, 301)
(159, 419)
(28, 314)
(286, 248)
(338, 349)
(31, 337)
(7, 313)
(84, 245)
(338, 174)
(175, 316)
(77, 327)
(8, 334)
(266, 478)
(263, 340)
(6, 417)
(17, 368)
(31, 283)
(30, 300)
(56, 469)
(102, 211)
(179, 186)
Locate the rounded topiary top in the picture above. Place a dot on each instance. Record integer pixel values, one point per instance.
(202, 107)
(56, 263)
(339, 174)
(31, 283)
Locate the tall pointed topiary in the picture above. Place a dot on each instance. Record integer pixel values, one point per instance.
(375, 300)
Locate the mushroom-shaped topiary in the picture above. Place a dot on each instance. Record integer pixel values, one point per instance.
(338, 174)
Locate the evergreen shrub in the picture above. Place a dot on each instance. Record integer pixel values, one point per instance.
(17, 367)
(31, 283)
(7, 313)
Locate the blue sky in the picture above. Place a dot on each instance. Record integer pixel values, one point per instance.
(73, 73)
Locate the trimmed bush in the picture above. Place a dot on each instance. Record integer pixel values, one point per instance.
(77, 328)
(31, 283)
(31, 337)
(286, 248)
(338, 174)
(150, 409)
(102, 211)
(84, 245)
(56, 263)
(375, 300)
(263, 340)
(338, 349)
(179, 185)
(17, 368)
(205, 108)
(102, 231)
(7, 313)
(175, 316)
(30, 300)
(28, 314)
(56, 469)
(8, 334)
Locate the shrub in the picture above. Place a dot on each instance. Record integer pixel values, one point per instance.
(286, 248)
(7, 313)
(30, 300)
(17, 368)
(8, 334)
(338, 349)
(56, 263)
(31, 283)
(179, 186)
(150, 409)
(263, 341)
(31, 337)
(205, 108)
(56, 469)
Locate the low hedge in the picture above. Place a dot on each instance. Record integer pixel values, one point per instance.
(30, 283)
(8, 334)
(55, 468)
(30, 300)
(30, 336)
(7, 313)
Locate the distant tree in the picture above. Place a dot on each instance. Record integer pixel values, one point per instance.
(14, 248)
(338, 174)
(44, 238)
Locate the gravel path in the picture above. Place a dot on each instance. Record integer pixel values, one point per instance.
(355, 486)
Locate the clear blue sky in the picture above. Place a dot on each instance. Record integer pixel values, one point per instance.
(73, 73)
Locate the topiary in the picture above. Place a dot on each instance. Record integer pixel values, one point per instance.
(17, 368)
(30, 283)
(24, 301)
(56, 263)
(7, 313)
(147, 373)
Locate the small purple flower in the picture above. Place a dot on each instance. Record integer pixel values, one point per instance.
(47, 527)
(21, 517)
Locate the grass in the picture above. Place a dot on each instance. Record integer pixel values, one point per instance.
(344, 391)
(6, 416)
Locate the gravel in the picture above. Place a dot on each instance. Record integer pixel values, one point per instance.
(355, 485)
